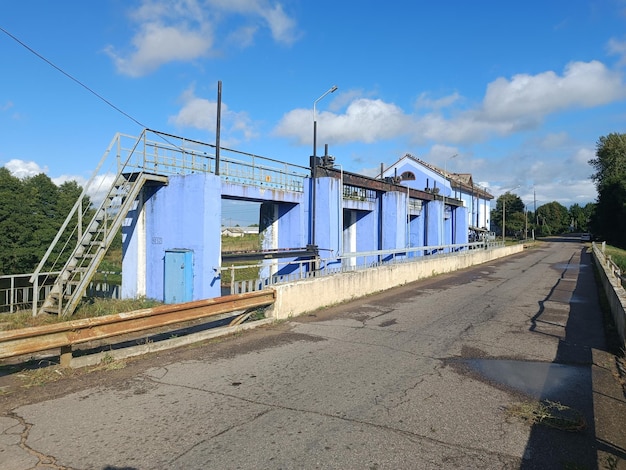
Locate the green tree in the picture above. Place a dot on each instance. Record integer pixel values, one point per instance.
(31, 212)
(581, 216)
(553, 219)
(508, 204)
(609, 219)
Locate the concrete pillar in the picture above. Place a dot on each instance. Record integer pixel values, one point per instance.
(185, 214)
(394, 224)
(328, 216)
(461, 224)
(434, 223)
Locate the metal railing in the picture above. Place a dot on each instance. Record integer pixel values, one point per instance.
(16, 292)
(166, 154)
(294, 270)
(609, 263)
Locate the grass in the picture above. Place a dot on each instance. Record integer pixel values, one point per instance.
(248, 242)
(42, 376)
(548, 413)
(88, 309)
(30, 378)
(618, 256)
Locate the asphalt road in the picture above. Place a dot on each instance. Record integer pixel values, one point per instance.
(429, 375)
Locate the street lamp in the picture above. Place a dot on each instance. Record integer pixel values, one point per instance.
(330, 90)
(314, 165)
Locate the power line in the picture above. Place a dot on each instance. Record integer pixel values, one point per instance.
(96, 94)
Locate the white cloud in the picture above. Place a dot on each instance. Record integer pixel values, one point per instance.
(424, 101)
(509, 106)
(157, 44)
(23, 169)
(365, 120)
(529, 98)
(618, 48)
(201, 113)
(282, 26)
(185, 30)
(97, 190)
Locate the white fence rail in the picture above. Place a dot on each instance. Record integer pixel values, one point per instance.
(16, 292)
(291, 271)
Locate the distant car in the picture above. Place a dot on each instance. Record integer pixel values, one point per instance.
(585, 237)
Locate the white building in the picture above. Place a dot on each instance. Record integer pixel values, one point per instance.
(418, 174)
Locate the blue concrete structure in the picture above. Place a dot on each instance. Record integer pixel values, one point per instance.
(184, 216)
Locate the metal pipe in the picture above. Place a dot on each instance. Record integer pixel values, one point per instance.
(218, 127)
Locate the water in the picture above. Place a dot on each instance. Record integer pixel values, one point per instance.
(543, 380)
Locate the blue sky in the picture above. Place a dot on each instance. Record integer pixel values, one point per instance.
(520, 91)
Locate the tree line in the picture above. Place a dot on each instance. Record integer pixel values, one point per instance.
(552, 218)
(32, 210)
(605, 218)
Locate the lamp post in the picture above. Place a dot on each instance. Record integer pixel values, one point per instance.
(330, 90)
(314, 165)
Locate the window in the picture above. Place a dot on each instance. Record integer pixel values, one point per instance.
(407, 175)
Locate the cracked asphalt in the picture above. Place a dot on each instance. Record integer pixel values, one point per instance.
(386, 382)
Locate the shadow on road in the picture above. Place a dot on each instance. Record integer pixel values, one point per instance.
(575, 318)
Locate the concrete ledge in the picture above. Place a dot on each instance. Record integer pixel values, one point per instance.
(149, 347)
(307, 295)
(615, 294)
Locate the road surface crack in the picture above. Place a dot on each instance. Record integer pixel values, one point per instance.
(44, 461)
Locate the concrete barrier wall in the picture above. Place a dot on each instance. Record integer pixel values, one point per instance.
(307, 295)
(615, 294)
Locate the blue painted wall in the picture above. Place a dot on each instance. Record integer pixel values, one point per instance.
(180, 216)
(186, 214)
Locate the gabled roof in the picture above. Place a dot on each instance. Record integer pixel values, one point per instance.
(462, 181)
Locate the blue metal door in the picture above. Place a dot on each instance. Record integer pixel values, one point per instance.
(178, 282)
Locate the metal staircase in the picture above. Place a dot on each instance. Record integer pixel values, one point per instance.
(78, 271)
(81, 246)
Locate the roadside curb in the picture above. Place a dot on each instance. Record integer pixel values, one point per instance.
(132, 351)
(609, 409)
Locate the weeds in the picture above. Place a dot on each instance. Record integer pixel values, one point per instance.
(108, 362)
(99, 307)
(548, 413)
(88, 309)
(611, 462)
(43, 376)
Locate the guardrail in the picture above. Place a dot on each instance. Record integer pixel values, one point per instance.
(68, 334)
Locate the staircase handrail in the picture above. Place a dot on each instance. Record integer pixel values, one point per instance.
(73, 211)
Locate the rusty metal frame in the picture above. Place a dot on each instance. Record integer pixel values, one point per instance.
(67, 334)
